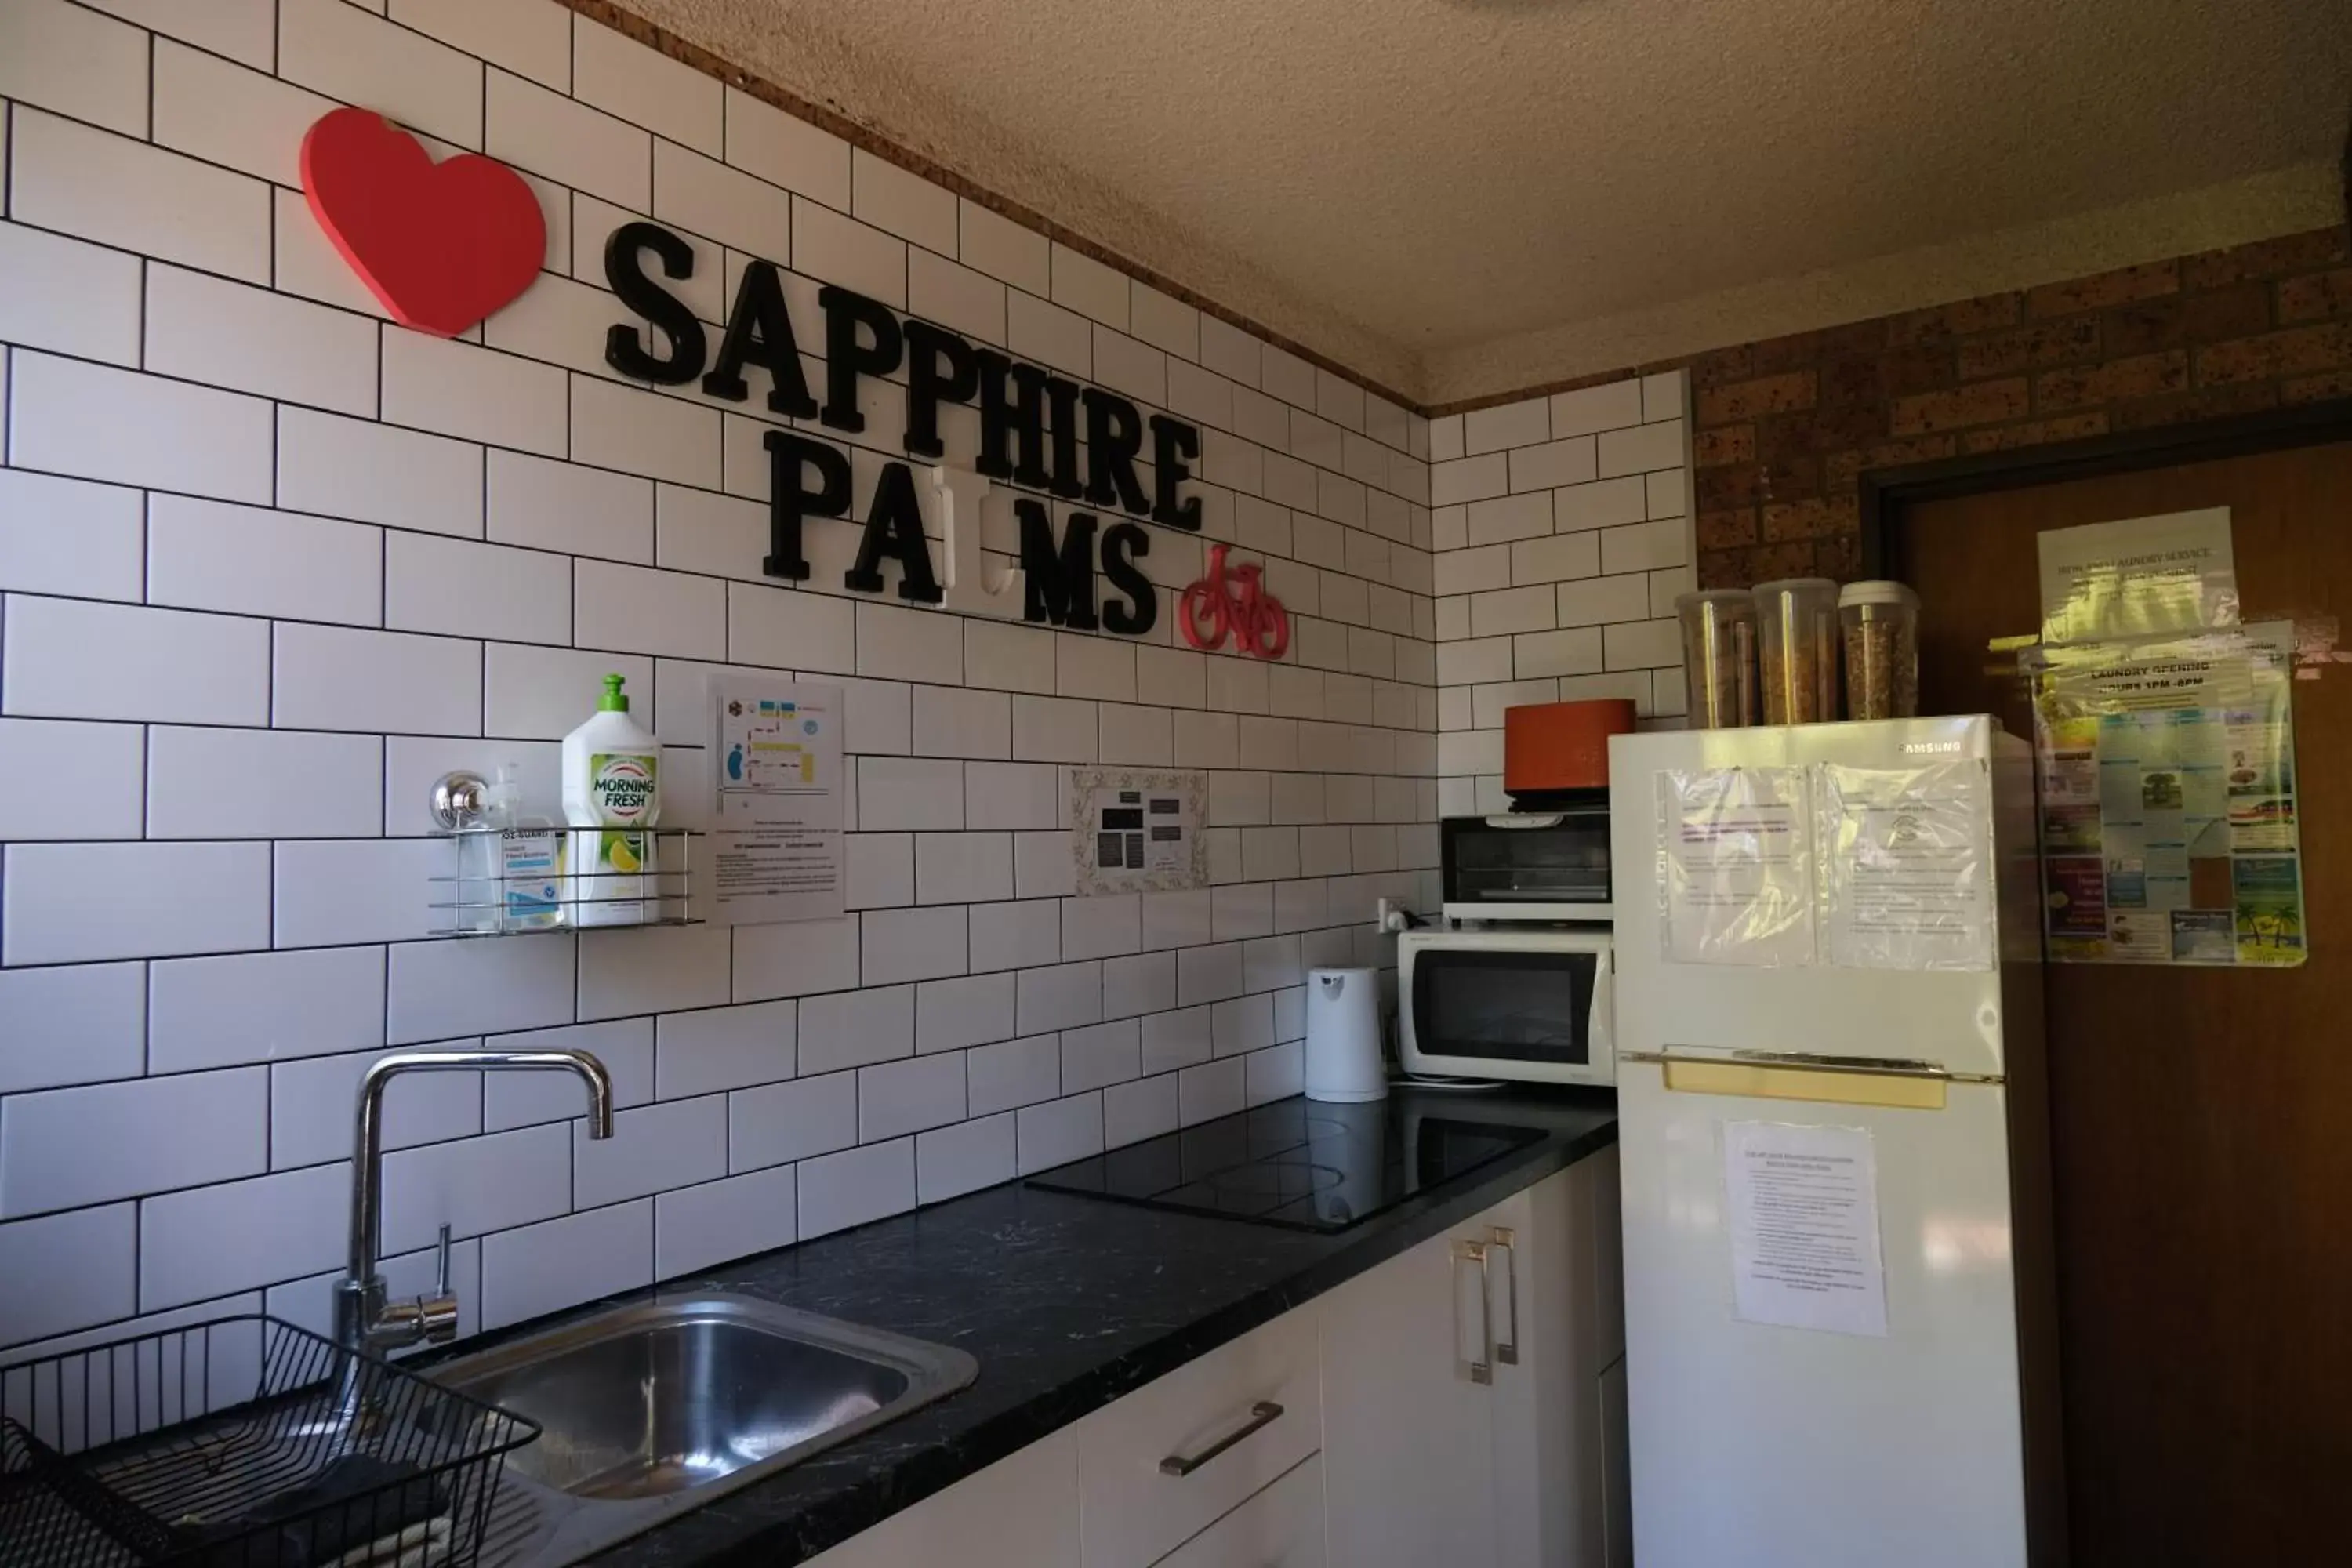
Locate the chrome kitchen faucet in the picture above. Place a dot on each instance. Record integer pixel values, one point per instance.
(365, 1319)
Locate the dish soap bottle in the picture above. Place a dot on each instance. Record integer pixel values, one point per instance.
(612, 795)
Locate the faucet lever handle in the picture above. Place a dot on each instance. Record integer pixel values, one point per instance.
(436, 1315)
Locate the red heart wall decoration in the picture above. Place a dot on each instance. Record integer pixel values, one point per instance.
(441, 245)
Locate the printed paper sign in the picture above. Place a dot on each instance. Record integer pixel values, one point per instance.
(1803, 1204)
(775, 751)
(1909, 858)
(2138, 577)
(2170, 830)
(1737, 883)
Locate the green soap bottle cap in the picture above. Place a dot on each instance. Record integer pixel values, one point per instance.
(612, 702)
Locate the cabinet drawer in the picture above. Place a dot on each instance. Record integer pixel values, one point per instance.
(1132, 1512)
(1020, 1512)
(1282, 1527)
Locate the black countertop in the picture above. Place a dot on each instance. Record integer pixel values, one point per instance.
(1067, 1302)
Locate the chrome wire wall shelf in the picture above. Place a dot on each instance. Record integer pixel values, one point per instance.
(480, 895)
(543, 876)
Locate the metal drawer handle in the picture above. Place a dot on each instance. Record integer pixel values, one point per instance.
(1500, 1240)
(1262, 1415)
(1481, 1371)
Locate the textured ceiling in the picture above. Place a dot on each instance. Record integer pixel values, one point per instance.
(1420, 189)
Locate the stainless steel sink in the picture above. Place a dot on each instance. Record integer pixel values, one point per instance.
(647, 1409)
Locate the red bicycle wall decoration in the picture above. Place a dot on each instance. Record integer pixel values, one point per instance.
(1234, 602)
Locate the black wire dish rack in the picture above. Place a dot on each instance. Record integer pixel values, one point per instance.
(245, 1442)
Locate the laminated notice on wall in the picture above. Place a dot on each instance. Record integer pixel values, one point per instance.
(2169, 830)
(1803, 1211)
(1138, 830)
(1906, 857)
(1735, 867)
(2139, 576)
(775, 841)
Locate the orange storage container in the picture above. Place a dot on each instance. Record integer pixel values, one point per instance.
(1561, 745)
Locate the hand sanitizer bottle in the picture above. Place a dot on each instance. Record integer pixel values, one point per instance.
(531, 859)
(612, 795)
(510, 862)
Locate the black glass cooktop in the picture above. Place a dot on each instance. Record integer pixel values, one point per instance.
(1295, 1162)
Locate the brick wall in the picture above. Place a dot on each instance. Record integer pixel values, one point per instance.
(1780, 430)
(1783, 427)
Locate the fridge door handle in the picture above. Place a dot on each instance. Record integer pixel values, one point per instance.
(1501, 1241)
(1809, 1061)
(1479, 1367)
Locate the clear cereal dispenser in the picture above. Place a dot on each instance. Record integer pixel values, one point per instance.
(1719, 657)
(1798, 622)
(1881, 629)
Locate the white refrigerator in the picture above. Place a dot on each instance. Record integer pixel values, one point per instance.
(1838, 1292)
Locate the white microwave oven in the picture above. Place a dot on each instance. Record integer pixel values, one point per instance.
(1524, 1003)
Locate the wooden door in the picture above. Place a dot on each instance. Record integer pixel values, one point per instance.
(2201, 1120)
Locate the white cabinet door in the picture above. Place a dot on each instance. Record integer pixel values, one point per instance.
(1546, 1458)
(1422, 1463)
(1020, 1512)
(1408, 1439)
(1281, 1527)
(1157, 1466)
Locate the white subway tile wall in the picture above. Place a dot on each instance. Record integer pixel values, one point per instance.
(269, 563)
(1564, 535)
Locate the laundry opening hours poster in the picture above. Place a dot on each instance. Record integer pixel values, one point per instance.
(2169, 830)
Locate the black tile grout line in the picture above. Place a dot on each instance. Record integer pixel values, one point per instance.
(819, 675)
(151, 489)
(281, 403)
(571, 275)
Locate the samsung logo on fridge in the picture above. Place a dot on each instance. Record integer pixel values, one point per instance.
(1916, 748)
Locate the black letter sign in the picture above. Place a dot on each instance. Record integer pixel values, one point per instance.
(625, 351)
(1039, 430)
(894, 527)
(845, 358)
(1173, 445)
(759, 332)
(1122, 542)
(1061, 577)
(790, 458)
(1114, 436)
(941, 367)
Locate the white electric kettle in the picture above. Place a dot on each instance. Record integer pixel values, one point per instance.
(1343, 1036)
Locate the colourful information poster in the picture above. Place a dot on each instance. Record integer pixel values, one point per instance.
(774, 851)
(2168, 831)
